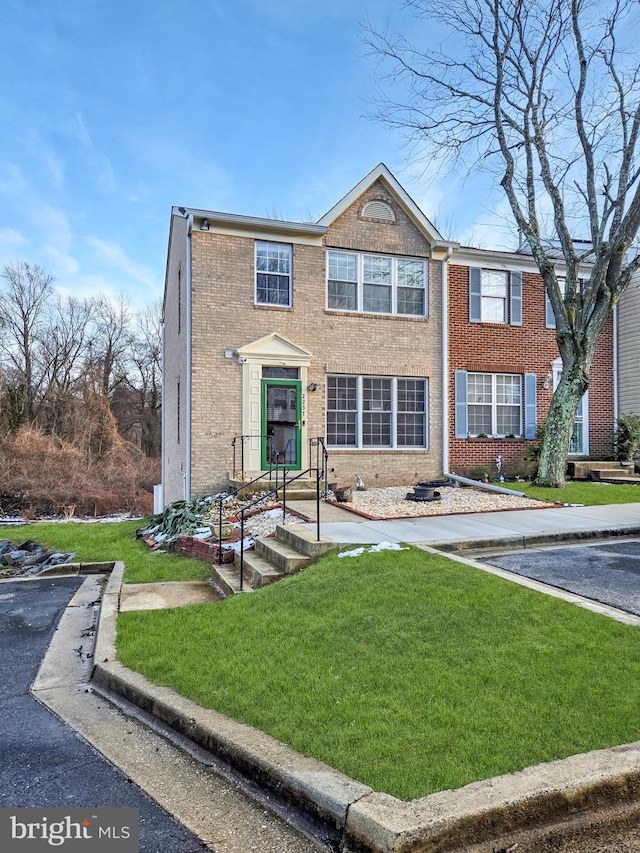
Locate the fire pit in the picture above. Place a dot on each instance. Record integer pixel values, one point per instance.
(425, 491)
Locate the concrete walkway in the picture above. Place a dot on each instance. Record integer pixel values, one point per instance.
(514, 528)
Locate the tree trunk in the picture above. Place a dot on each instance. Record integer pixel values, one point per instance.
(558, 431)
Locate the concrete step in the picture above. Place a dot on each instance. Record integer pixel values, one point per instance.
(227, 578)
(284, 557)
(304, 540)
(258, 572)
(619, 474)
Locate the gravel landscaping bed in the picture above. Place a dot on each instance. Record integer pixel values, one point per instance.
(391, 502)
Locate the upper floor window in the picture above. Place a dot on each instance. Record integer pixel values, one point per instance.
(549, 314)
(376, 284)
(273, 273)
(495, 296)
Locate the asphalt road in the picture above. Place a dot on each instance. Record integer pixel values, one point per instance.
(43, 762)
(608, 572)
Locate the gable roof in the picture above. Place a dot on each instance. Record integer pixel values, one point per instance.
(408, 204)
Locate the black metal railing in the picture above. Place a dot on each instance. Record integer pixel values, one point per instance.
(279, 488)
(320, 469)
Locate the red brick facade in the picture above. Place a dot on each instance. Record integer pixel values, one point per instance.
(529, 348)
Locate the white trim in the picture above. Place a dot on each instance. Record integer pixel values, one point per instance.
(410, 207)
(393, 285)
(556, 367)
(187, 405)
(444, 285)
(163, 415)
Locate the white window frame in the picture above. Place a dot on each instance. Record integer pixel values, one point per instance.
(582, 415)
(288, 275)
(359, 412)
(394, 285)
(493, 432)
(486, 298)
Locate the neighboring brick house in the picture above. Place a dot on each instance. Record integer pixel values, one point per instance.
(399, 348)
(285, 331)
(504, 365)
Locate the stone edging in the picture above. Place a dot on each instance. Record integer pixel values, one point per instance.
(553, 796)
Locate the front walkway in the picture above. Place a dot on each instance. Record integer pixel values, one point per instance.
(479, 529)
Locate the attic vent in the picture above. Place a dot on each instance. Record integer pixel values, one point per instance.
(378, 210)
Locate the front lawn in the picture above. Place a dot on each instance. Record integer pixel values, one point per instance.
(581, 492)
(104, 542)
(408, 671)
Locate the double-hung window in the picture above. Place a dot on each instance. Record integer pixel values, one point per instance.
(273, 273)
(376, 412)
(494, 404)
(376, 284)
(495, 296)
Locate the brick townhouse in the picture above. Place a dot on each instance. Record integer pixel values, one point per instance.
(285, 331)
(366, 328)
(504, 365)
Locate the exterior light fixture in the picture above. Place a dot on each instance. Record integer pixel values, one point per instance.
(229, 353)
(312, 386)
(547, 381)
(204, 225)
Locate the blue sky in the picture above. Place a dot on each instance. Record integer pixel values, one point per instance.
(114, 110)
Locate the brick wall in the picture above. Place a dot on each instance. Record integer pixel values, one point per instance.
(530, 348)
(225, 316)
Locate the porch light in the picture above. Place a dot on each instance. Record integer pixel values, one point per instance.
(204, 225)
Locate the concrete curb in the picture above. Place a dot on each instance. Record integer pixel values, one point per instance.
(556, 797)
(517, 540)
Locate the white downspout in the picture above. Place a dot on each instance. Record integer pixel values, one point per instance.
(163, 410)
(187, 407)
(616, 401)
(445, 358)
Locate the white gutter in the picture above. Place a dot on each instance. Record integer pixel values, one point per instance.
(616, 401)
(445, 358)
(187, 414)
(162, 415)
(486, 486)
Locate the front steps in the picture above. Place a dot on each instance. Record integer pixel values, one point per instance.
(303, 489)
(604, 472)
(293, 549)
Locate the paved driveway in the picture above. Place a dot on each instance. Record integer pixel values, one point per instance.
(43, 762)
(608, 572)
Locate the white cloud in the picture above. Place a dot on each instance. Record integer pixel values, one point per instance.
(116, 257)
(10, 240)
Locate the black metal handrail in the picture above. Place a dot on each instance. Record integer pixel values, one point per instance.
(244, 438)
(320, 471)
(284, 508)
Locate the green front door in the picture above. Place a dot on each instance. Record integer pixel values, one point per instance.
(281, 432)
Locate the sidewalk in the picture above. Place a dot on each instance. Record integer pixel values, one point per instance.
(514, 528)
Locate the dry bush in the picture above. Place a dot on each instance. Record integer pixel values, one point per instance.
(43, 475)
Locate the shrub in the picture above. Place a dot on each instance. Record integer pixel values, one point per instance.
(627, 436)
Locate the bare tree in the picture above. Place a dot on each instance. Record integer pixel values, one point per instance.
(24, 301)
(110, 343)
(64, 347)
(546, 92)
(139, 408)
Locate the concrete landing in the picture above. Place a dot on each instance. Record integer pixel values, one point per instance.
(159, 596)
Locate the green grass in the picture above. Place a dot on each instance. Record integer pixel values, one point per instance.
(112, 541)
(410, 672)
(581, 492)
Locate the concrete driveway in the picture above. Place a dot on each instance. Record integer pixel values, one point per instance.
(607, 572)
